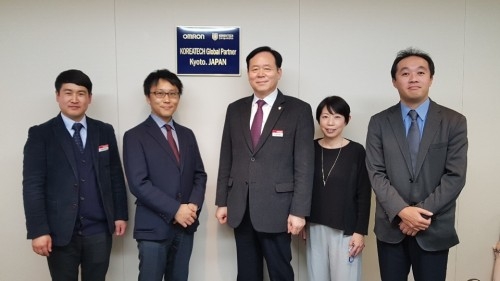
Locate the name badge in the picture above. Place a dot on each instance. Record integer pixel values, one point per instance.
(103, 147)
(277, 133)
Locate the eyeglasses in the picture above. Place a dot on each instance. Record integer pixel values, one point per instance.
(162, 94)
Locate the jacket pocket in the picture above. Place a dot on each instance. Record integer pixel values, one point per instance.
(438, 145)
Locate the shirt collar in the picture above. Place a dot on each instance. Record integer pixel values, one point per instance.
(68, 122)
(421, 109)
(269, 99)
(162, 123)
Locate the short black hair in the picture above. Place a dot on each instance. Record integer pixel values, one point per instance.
(74, 76)
(411, 52)
(334, 104)
(165, 74)
(276, 55)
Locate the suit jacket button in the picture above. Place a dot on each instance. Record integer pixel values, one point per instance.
(252, 159)
(410, 180)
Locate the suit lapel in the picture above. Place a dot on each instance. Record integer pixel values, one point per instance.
(246, 110)
(396, 122)
(181, 144)
(92, 143)
(431, 127)
(274, 115)
(157, 134)
(64, 138)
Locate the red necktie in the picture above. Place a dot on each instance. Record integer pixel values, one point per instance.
(171, 142)
(257, 123)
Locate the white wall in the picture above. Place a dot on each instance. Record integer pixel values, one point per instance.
(329, 47)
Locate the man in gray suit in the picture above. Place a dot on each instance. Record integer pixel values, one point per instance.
(265, 171)
(416, 184)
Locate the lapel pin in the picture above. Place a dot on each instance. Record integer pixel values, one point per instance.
(279, 107)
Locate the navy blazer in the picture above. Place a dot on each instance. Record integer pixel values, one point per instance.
(50, 180)
(276, 177)
(158, 183)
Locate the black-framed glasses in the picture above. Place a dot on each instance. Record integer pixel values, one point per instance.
(162, 94)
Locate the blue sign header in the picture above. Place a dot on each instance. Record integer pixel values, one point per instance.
(208, 50)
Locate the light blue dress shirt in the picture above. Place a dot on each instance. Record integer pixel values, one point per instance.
(162, 124)
(69, 126)
(422, 115)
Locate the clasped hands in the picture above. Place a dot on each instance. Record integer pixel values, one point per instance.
(413, 220)
(186, 214)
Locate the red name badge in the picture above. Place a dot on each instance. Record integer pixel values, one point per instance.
(103, 147)
(277, 133)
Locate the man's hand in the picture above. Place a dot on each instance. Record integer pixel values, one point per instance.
(295, 224)
(42, 245)
(120, 227)
(414, 219)
(407, 230)
(221, 214)
(193, 207)
(185, 216)
(303, 234)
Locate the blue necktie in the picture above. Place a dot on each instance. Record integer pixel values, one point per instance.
(413, 138)
(76, 136)
(256, 128)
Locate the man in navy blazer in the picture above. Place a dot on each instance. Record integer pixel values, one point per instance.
(166, 174)
(416, 192)
(264, 184)
(74, 196)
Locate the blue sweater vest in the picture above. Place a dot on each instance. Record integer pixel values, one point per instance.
(91, 216)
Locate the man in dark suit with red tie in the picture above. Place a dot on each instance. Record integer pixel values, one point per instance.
(166, 174)
(73, 186)
(265, 171)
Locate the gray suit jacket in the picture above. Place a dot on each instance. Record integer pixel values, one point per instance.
(438, 180)
(276, 178)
